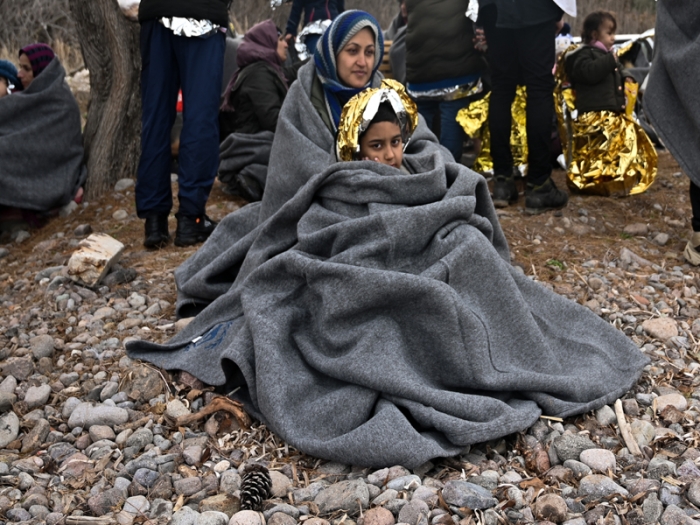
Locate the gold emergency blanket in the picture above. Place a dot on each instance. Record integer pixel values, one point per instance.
(474, 120)
(607, 153)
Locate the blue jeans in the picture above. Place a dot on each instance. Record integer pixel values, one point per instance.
(451, 133)
(195, 65)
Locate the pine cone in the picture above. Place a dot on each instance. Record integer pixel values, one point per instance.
(255, 487)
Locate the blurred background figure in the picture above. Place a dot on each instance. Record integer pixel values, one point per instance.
(672, 101)
(443, 69)
(182, 47)
(249, 112)
(8, 78)
(313, 10)
(396, 34)
(521, 49)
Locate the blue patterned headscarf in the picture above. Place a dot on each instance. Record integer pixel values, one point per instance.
(344, 27)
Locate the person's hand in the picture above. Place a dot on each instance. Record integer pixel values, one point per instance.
(558, 25)
(289, 38)
(376, 159)
(479, 40)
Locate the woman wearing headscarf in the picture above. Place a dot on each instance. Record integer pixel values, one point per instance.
(359, 303)
(33, 59)
(41, 146)
(248, 115)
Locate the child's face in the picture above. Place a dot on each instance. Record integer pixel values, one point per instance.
(606, 34)
(3, 87)
(382, 143)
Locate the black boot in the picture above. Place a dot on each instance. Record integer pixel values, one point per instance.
(193, 230)
(504, 190)
(544, 197)
(156, 231)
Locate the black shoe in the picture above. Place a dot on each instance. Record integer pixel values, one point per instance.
(156, 231)
(193, 230)
(544, 197)
(504, 191)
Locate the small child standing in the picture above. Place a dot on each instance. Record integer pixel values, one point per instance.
(608, 153)
(593, 68)
(377, 124)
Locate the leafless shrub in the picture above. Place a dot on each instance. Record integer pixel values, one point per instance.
(28, 21)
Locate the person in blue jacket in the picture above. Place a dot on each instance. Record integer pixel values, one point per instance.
(313, 10)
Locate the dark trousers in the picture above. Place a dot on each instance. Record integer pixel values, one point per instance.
(451, 133)
(195, 65)
(522, 55)
(695, 204)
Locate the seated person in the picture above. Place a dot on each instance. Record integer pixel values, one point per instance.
(40, 173)
(248, 115)
(33, 59)
(377, 125)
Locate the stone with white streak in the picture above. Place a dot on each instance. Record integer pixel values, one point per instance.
(93, 260)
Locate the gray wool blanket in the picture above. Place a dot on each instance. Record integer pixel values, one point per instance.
(373, 318)
(245, 155)
(41, 146)
(672, 98)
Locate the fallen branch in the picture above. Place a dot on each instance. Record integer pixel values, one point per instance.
(218, 403)
(626, 430)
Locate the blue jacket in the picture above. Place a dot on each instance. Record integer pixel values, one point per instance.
(313, 10)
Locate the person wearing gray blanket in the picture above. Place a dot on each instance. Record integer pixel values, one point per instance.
(371, 316)
(248, 114)
(41, 146)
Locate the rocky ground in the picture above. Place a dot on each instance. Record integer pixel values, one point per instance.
(89, 436)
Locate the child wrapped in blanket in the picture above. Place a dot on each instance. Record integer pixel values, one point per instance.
(611, 154)
(377, 124)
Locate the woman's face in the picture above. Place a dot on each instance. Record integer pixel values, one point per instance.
(282, 48)
(26, 74)
(356, 60)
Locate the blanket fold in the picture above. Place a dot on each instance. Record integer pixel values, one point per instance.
(243, 160)
(376, 320)
(41, 146)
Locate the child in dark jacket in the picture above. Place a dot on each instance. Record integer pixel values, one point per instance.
(593, 68)
(607, 151)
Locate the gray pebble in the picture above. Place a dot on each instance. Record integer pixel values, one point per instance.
(351, 496)
(185, 516)
(465, 494)
(37, 396)
(597, 486)
(605, 416)
(212, 517)
(570, 446)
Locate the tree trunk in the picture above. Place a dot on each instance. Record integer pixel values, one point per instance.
(110, 45)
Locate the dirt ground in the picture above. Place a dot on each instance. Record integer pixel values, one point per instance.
(589, 228)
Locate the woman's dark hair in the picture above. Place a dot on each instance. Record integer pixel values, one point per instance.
(593, 22)
(385, 113)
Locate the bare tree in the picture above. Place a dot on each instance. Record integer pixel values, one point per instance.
(110, 47)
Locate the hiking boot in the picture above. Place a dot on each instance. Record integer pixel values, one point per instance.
(156, 231)
(193, 230)
(504, 191)
(691, 253)
(544, 197)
